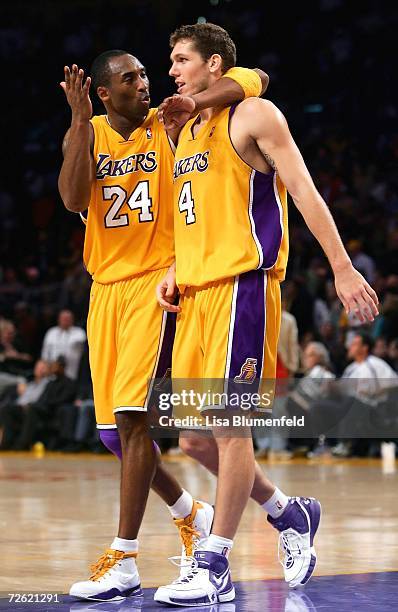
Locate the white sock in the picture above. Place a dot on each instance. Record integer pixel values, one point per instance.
(183, 505)
(125, 545)
(217, 544)
(276, 504)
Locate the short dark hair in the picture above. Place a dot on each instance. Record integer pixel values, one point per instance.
(367, 339)
(100, 72)
(208, 38)
(61, 360)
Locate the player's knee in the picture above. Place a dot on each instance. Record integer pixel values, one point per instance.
(242, 444)
(131, 425)
(111, 440)
(194, 446)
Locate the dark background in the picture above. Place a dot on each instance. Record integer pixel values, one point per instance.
(332, 73)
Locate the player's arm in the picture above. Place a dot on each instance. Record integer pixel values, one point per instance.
(268, 127)
(77, 171)
(234, 86)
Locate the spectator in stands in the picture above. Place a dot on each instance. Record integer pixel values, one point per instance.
(26, 394)
(307, 394)
(37, 421)
(373, 373)
(13, 358)
(365, 384)
(67, 340)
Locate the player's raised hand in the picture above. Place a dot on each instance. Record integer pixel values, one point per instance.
(175, 111)
(166, 291)
(356, 294)
(77, 92)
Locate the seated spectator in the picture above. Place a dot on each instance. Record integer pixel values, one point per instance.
(310, 389)
(38, 421)
(25, 394)
(364, 385)
(67, 340)
(317, 368)
(373, 375)
(13, 358)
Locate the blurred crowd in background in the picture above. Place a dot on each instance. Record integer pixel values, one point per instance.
(330, 72)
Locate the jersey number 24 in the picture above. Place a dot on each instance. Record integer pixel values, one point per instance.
(138, 200)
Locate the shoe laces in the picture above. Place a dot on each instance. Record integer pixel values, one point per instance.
(182, 561)
(188, 536)
(290, 546)
(109, 559)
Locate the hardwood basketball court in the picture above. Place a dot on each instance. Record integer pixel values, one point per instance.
(59, 512)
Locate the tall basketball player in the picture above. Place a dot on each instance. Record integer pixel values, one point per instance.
(119, 166)
(231, 247)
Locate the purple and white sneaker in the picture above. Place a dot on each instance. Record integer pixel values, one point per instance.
(114, 577)
(297, 526)
(208, 582)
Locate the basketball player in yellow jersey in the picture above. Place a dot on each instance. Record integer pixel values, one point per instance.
(230, 173)
(119, 166)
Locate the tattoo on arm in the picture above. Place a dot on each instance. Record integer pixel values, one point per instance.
(269, 161)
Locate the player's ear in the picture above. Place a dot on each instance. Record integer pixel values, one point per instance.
(215, 62)
(103, 93)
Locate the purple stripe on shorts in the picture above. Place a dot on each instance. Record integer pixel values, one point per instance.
(166, 350)
(248, 329)
(266, 216)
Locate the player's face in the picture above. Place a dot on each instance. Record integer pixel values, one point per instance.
(129, 87)
(188, 69)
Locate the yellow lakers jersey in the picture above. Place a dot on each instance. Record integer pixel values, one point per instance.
(130, 216)
(228, 217)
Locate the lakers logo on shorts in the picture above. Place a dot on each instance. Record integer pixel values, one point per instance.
(248, 372)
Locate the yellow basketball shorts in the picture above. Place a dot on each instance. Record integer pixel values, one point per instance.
(229, 330)
(130, 342)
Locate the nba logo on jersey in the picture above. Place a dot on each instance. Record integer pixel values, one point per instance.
(248, 372)
(149, 133)
(212, 131)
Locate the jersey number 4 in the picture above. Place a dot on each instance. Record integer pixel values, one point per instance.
(186, 203)
(138, 200)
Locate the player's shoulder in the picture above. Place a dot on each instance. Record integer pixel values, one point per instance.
(254, 107)
(259, 117)
(99, 120)
(152, 118)
(152, 123)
